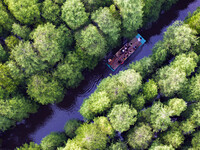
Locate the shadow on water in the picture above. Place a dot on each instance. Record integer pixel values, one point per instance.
(53, 117)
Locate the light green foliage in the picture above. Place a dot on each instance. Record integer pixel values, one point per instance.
(90, 137)
(170, 80)
(5, 123)
(92, 5)
(11, 42)
(179, 38)
(72, 145)
(95, 104)
(138, 102)
(177, 106)
(51, 11)
(185, 62)
(53, 140)
(30, 146)
(69, 71)
(6, 20)
(71, 126)
(91, 44)
(160, 117)
(17, 108)
(195, 140)
(150, 90)
(109, 24)
(160, 53)
(162, 147)
(73, 13)
(131, 12)
(122, 117)
(49, 51)
(22, 31)
(3, 54)
(60, 2)
(44, 89)
(104, 125)
(118, 146)
(152, 9)
(26, 11)
(140, 136)
(187, 127)
(144, 66)
(27, 58)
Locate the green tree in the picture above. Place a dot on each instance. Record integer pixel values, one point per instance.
(53, 140)
(92, 5)
(138, 101)
(72, 145)
(11, 42)
(130, 9)
(150, 90)
(27, 58)
(187, 127)
(167, 4)
(5, 123)
(22, 31)
(27, 12)
(71, 126)
(91, 46)
(179, 38)
(122, 117)
(195, 140)
(162, 147)
(3, 54)
(118, 146)
(140, 136)
(51, 11)
(73, 13)
(109, 24)
(44, 89)
(177, 106)
(30, 146)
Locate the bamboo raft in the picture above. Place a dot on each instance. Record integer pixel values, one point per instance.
(125, 52)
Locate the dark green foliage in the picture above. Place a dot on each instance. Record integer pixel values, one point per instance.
(73, 13)
(140, 136)
(168, 4)
(144, 66)
(150, 90)
(51, 11)
(122, 117)
(29, 12)
(21, 31)
(118, 146)
(5, 123)
(71, 126)
(138, 102)
(3, 54)
(196, 141)
(30, 146)
(11, 42)
(91, 45)
(109, 24)
(53, 140)
(92, 5)
(44, 89)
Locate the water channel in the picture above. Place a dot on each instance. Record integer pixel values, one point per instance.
(53, 117)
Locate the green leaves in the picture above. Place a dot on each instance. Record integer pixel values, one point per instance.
(70, 127)
(73, 13)
(177, 106)
(22, 31)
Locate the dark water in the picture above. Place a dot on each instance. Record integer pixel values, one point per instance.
(53, 117)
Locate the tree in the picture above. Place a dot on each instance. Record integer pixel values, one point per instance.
(51, 11)
(49, 51)
(71, 126)
(168, 4)
(92, 5)
(179, 38)
(27, 58)
(118, 146)
(160, 117)
(171, 80)
(3, 54)
(73, 13)
(30, 146)
(91, 46)
(144, 66)
(97, 103)
(140, 136)
(177, 106)
(5, 123)
(72, 145)
(138, 102)
(109, 24)
(44, 89)
(150, 90)
(27, 12)
(53, 140)
(195, 140)
(122, 117)
(130, 9)
(162, 147)
(17, 108)
(187, 127)
(21, 31)
(11, 42)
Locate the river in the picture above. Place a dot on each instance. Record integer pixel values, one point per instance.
(53, 117)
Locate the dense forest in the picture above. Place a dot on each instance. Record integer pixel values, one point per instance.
(46, 45)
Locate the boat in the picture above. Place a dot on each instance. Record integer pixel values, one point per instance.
(125, 52)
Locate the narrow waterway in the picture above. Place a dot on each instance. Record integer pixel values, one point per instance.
(53, 117)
